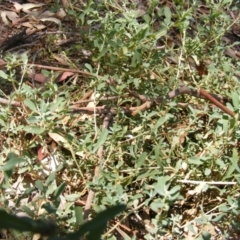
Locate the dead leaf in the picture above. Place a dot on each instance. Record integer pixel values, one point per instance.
(2, 64)
(32, 27)
(38, 77)
(51, 19)
(47, 14)
(17, 6)
(27, 6)
(65, 3)
(81, 154)
(201, 68)
(86, 52)
(12, 16)
(39, 26)
(4, 18)
(27, 24)
(37, 16)
(93, 96)
(137, 129)
(64, 76)
(65, 120)
(57, 138)
(61, 14)
(33, 15)
(8, 15)
(60, 59)
(41, 153)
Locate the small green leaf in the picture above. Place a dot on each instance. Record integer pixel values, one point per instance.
(103, 52)
(168, 14)
(59, 190)
(101, 140)
(57, 105)
(235, 99)
(162, 32)
(218, 217)
(174, 192)
(51, 178)
(229, 172)
(223, 208)
(147, 174)
(79, 214)
(30, 105)
(158, 205)
(147, 18)
(11, 161)
(159, 123)
(196, 160)
(3, 75)
(81, 17)
(162, 185)
(72, 197)
(221, 163)
(234, 159)
(46, 73)
(191, 228)
(125, 50)
(28, 210)
(137, 57)
(207, 172)
(227, 67)
(43, 106)
(230, 200)
(50, 189)
(141, 160)
(29, 190)
(2, 123)
(39, 185)
(34, 129)
(89, 67)
(137, 196)
(24, 58)
(33, 120)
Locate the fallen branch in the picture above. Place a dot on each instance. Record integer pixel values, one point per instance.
(4, 101)
(216, 102)
(210, 183)
(172, 94)
(132, 111)
(61, 69)
(147, 101)
(98, 99)
(193, 92)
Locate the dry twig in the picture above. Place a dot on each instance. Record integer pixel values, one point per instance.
(148, 103)
(4, 101)
(106, 122)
